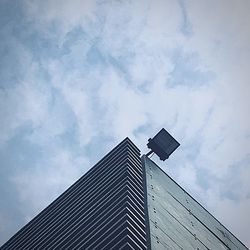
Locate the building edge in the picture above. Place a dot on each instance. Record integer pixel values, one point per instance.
(146, 202)
(125, 147)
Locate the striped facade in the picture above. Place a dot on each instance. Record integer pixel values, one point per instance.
(124, 202)
(105, 209)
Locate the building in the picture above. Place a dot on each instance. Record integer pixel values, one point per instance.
(124, 202)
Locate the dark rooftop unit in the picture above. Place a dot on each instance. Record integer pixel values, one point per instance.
(163, 144)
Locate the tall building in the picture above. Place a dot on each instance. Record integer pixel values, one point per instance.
(124, 202)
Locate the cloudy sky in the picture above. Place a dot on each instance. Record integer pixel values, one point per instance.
(78, 76)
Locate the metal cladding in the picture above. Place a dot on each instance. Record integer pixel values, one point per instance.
(104, 209)
(178, 221)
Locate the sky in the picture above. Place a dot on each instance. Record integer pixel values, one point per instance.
(78, 76)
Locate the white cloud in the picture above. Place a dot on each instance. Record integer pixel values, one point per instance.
(80, 103)
(232, 214)
(22, 105)
(124, 108)
(41, 184)
(65, 14)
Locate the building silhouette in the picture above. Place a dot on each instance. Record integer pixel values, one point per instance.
(124, 202)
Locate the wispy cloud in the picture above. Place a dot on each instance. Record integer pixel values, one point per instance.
(40, 185)
(186, 27)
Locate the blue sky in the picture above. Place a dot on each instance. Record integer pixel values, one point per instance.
(77, 77)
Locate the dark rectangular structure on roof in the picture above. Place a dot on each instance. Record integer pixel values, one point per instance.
(163, 144)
